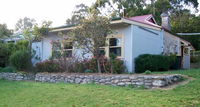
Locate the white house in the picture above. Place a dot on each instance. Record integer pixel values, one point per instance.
(132, 37)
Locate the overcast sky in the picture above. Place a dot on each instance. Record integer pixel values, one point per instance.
(54, 10)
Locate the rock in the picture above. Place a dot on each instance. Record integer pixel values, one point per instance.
(158, 83)
(121, 84)
(78, 80)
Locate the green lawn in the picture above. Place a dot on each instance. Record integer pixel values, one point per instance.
(31, 94)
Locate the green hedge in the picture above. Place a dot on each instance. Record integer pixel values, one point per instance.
(49, 66)
(8, 69)
(21, 60)
(153, 63)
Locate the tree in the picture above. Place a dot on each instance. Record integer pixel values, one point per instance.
(40, 32)
(129, 8)
(24, 23)
(91, 35)
(4, 31)
(80, 12)
(185, 22)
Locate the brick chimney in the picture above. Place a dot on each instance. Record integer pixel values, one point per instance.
(166, 21)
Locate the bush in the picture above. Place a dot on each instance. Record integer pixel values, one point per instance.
(88, 71)
(147, 72)
(153, 63)
(115, 66)
(195, 59)
(8, 69)
(4, 54)
(8, 48)
(21, 60)
(49, 66)
(1, 69)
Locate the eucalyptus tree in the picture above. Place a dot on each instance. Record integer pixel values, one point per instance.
(4, 31)
(80, 12)
(25, 23)
(91, 34)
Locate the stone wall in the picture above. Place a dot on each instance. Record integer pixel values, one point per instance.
(148, 81)
(17, 76)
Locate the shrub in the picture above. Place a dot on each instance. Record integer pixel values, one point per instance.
(195, 59)
(21, 60)
(153, 63)
(1, 69)
(8, 48)
(22, 45)
(88, 71)
(117, 66)
(49, 66)
(90, 65)
(147, 72)
(8, 69)
(4, 54)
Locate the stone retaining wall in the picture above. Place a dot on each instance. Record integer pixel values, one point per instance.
(148, 81)
(17, 76)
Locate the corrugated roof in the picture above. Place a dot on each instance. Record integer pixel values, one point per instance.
(145, 19)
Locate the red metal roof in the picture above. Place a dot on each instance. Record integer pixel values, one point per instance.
(145, 19)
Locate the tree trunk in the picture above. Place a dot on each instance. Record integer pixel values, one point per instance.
(99, 66)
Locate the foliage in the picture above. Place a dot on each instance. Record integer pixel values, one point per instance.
(129, 8)
(9, 48)
(20, 60)
(22, 45)
(4, 54)
(25, 23)
(114, 67)
(81, 12)
(49, 66)
(193, 39)
(1, 69)
(195, 59)
(40, 32)
(185, 22)
(8, 69)
(147, 72)
(91, 95)
(88, 71)
(153, 63)
(91, 35)
(4, 31)
(117, 66)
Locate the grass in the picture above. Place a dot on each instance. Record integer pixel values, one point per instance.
(32, 94)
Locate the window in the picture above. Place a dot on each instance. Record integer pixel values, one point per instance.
(115, 41)
(63, 48)
(56, 49)
(116, 51)
(102, 51)
(115, 46)
(67, 47)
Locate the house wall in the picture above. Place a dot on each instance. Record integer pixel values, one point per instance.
(126, 31)
(136, 41)
(171, 44)
(43, 49)
(146, 41)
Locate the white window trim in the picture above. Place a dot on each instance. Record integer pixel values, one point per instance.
(107, 48)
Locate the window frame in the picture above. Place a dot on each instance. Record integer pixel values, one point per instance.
(66, 50)
(107, 48)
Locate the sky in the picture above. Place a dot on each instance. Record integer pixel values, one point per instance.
(51, 10)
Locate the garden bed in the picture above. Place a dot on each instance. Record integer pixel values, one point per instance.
(147, 81)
